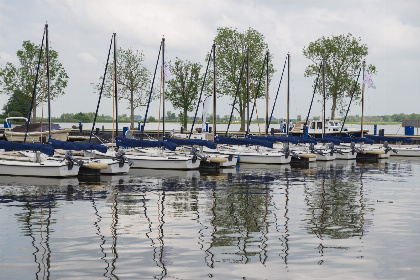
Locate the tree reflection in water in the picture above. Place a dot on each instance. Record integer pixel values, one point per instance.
(336, 206)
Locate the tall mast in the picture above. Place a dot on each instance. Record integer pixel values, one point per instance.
(247, 89)
(288, 92)
(323, 96)
(48, 83)
(214, 90)
(266, 97)
(163, 87)
(363, 97)
(115, 83)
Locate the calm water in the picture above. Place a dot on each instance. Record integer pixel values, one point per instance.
(340, 219)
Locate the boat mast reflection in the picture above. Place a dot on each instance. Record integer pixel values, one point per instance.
(99, 233)
(113, 228)
(161, 214)
(32, 219)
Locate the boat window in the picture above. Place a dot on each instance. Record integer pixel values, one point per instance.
(312, 125)
(319, 125)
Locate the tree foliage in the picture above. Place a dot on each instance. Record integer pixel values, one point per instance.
(18, 105)
(133, 80)
(344, 57)
(231, 49)
(184, 89)
(21, 77)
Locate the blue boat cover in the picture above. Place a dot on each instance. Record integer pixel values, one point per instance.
(387, 138)
(351, 139)
(283, 139)
(128, 142)
(243, 141)
(76, 146)
(13, 146)
(328, 139)
(188, 142)
(305, 139)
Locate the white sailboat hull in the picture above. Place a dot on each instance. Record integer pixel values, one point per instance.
(407, 152)
(48, 168)
(325, 157)
(33, 137)
(114, 167)
(164, 162)
(264, 158)
(346, 154)
(230, 162)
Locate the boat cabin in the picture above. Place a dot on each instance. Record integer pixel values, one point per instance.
(332, 127)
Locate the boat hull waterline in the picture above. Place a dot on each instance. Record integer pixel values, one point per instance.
(43, 169)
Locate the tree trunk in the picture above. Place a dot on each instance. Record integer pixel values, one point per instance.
(334, 105)
(132, 111)
(242, 128)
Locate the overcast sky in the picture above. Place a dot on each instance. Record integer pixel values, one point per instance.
(81, 30)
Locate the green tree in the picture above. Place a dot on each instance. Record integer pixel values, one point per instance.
(151, 119)
(231, 49)
(83, 117)
(18, 102)
(133, 80)
(183, 90)
(343, 57)
(170, 116)
(21, 77)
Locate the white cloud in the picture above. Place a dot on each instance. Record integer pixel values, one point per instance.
(87, 57)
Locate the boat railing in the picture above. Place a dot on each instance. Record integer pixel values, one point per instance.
(8, 123)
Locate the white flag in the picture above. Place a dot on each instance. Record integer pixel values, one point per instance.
(206, 105)
(368, 80)
(168, 72)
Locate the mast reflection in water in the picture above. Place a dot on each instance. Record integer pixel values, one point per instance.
(252, 222)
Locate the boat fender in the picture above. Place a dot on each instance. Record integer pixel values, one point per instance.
(309, 155)
(217, 159)
(96, 165)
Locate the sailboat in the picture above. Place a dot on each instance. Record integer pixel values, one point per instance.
(108, 161)
(138, 150)
(22, 159)
(202, 145)
(33, 132)
(295, 154)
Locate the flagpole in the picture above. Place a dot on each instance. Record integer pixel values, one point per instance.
(363, 97)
